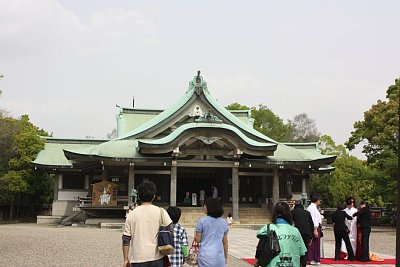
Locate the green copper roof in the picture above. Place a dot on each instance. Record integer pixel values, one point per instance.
(160, 118)
(191, 94)
(232, 118)
(53, 155)
(287, 153)
(111, 149)
(200, 125)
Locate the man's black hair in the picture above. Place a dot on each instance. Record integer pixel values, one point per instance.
(314, 197)
(214, 207)
(174, 213)
(298, 206)
(146, 191)
(349, 199)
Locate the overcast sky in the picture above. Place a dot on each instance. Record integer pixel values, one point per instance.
(68, 63)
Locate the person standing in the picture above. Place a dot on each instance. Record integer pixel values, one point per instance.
(214, 191)
(229, 219)
(341, 232)
(302, 220)
(290, 240)
(202, 196)
(141, 227)
(212, 232)
(180, 239)
(364, 220)
(351, 225)
(314, 255)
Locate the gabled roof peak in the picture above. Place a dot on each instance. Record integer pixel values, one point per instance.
(197, 84)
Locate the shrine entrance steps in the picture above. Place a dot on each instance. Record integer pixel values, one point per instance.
(249, 217)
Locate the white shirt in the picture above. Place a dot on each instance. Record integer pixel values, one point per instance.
(315, 215)
(214, 192)
(142, 225)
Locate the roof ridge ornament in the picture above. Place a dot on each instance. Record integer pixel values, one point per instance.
(198, 84)
(208, 118)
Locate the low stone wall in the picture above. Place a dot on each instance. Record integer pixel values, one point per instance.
(42, 219)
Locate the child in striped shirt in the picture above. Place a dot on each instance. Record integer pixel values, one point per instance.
(180, 239)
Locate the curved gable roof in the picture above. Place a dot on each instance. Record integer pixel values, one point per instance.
(215, 127)
(190, 96)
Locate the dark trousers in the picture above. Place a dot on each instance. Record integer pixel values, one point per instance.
(339, 235)
(365, 232)
(156, 263)
(303, 259)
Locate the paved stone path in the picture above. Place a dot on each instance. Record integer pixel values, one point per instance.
(48, 246)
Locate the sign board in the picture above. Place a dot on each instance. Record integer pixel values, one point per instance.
(104, 194)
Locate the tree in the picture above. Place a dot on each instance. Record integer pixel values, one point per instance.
(303, 129)
(329, 147)
(265, 121)
(20, 183)
(352, 176)
(379, 130)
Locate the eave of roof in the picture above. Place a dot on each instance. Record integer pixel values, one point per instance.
(201, 125)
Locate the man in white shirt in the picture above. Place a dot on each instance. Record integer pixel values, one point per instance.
(141, 226)
(314, 250)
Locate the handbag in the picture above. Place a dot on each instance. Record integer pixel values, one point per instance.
(270, 249)
(165, 237)
(193, 254)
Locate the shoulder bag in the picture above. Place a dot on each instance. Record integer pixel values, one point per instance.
(270, 248)
(165, 237)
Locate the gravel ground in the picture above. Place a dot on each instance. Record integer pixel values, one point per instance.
(38, 245)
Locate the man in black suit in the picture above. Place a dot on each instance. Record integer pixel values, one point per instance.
(303, 221)
(341, 232)
(364, 219)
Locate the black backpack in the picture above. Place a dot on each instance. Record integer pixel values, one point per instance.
(268, 247)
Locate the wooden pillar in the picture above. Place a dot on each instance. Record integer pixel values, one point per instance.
(275, 187)
(264, 191)
(57, 185)
(235, 192)
(131, 178)
(86, 182)
(304, 185)
(172, 198)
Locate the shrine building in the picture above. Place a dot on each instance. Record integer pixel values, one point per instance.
(188, 147)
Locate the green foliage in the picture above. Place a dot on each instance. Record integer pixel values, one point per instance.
(12, 183)
(352, 177)
(266, 122)
(237, 106)
(379, 130)
(328, 146)
(20, 183)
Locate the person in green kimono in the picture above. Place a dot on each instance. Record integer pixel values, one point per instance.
(290, 240)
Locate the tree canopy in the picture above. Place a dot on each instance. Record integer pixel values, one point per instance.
(379, 131)
(20, 183)
(303, 129)
(300, 129)
(352, 177)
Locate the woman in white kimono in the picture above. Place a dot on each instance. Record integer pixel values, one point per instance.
(351, 225)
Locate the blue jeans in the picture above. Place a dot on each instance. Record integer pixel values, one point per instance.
(156, 263)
